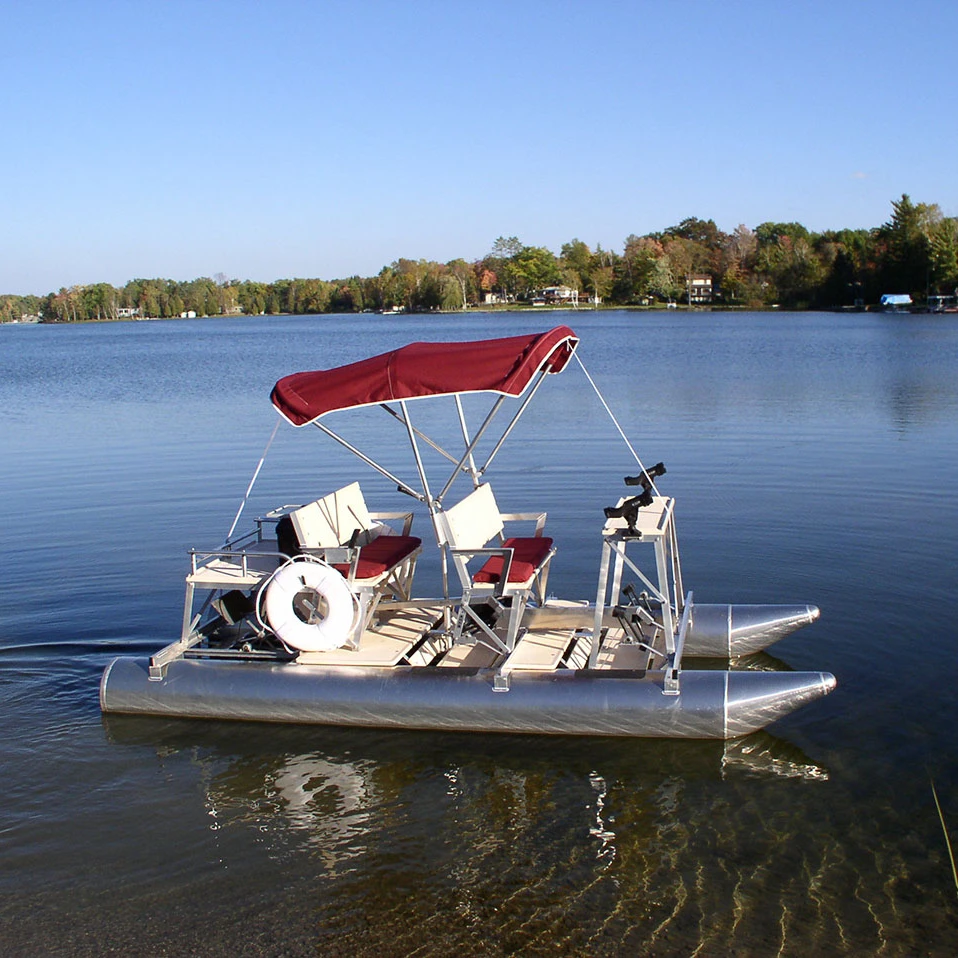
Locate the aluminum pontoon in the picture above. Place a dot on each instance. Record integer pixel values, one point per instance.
(311, 617)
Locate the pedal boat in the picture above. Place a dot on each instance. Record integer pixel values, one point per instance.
(311, 617)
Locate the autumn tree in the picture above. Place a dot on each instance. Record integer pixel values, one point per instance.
(740, 247)
(14, 308)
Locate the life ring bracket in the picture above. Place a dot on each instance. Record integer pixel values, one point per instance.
(309, 606)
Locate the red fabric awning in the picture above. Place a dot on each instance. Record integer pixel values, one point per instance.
(504, 366)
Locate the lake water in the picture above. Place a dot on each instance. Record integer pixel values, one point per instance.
(813, 458)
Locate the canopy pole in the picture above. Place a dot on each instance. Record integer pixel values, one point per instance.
(471, 447)
(466, 440)
(515, 419)
(252, 481)
(429, 442)
(432, 506)
(415, 451)
(403, 487)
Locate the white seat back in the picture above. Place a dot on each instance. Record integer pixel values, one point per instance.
(473, 521)
(332, 520)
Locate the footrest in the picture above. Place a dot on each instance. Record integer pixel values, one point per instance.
(539, 651)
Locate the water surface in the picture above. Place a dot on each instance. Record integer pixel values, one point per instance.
(813, 459)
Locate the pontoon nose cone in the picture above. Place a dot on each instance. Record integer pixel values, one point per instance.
(733, 630)
(754, 703)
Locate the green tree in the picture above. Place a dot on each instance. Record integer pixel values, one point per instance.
(502, 262)
(850, 257)
(684, 257)
(348, 297)
(14, 308)
(907, 264)
(794, 269)
(768, 234)
(200, 296)
(99, 301)
(635, 269)
(450, 293)
(313, 296)
(144, 295)
(506, 247)
(251, 297)
(575, 264)
(535, 268)
(703, 232)
(662, 282)
(944, 255)
(463, 275)
(601, 276)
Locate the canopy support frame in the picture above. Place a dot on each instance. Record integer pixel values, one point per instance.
(382, 470)
(429, 442)
(515, 419)
(470, 446)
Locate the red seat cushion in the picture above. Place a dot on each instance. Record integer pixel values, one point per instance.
(528, 555)
(381, 554)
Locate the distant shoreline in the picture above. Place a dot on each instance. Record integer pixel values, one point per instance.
(501, 308)
(693, 265)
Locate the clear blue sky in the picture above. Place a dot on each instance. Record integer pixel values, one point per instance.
(278, 139)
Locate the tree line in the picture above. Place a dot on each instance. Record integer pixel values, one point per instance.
(774, 264)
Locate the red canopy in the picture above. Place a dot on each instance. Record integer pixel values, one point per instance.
(504, 366)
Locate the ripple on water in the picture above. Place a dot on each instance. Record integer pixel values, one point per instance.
(812, 458)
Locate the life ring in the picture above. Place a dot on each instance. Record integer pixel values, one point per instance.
(309, 606)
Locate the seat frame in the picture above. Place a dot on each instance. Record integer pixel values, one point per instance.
(466, 529)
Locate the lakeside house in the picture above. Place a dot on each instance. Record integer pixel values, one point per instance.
(559, 294)
(700, 289)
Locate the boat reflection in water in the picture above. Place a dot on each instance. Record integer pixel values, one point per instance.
(566, 843)
(337, 798)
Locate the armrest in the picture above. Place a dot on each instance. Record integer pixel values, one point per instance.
(335, 555)
(490, 551)
(539, 518)
(405, 516)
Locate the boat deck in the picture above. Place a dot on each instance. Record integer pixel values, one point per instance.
(404, 639)
(384, 646)
(539, 651)
(464, 656)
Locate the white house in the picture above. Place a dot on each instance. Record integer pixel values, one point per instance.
(559, 294)
(700, 289)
